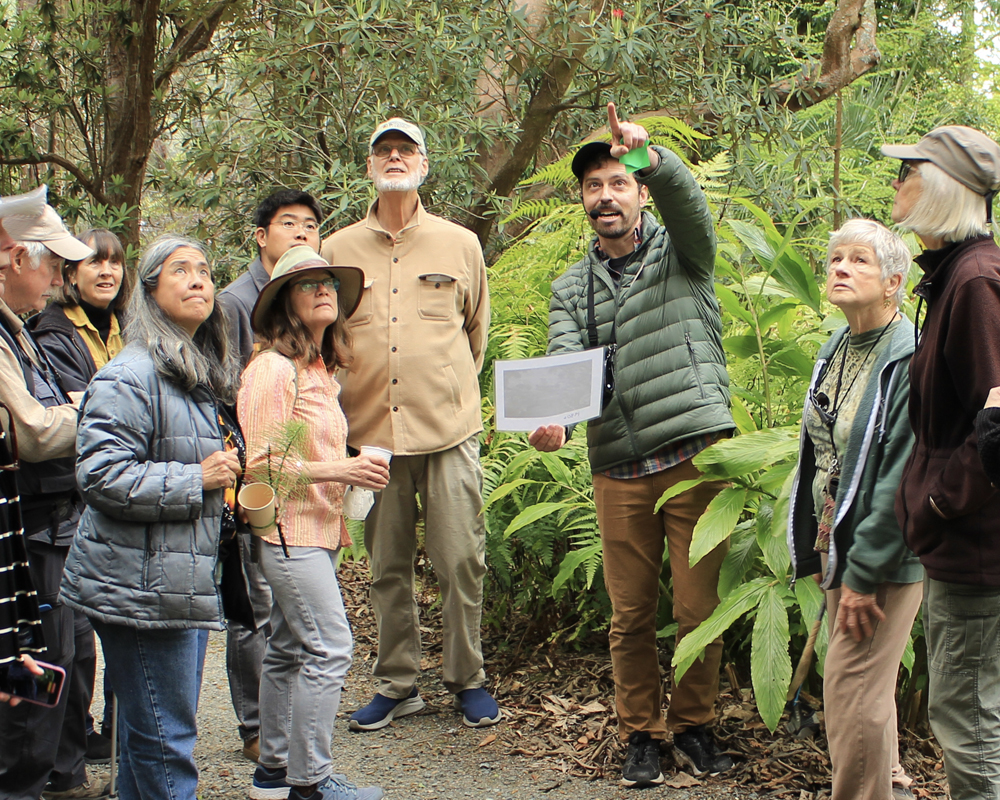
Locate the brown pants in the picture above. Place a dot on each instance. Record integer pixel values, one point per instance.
(859, 696)
(633, 537)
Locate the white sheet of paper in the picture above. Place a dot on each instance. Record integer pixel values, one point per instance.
(551, 390)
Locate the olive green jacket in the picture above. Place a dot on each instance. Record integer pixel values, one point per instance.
(670, 371)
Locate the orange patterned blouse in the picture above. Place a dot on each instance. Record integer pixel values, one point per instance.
(312, 516)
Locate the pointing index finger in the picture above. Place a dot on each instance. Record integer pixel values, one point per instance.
(614, 124)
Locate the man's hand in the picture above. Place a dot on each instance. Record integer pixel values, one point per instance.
(33, 668)
(858, 613)
(548, 438)
(993, 400)
(627, 136)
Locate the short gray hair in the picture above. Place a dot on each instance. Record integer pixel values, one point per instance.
(945, 208)
(35, 250)
(894, 257)
(208, 358)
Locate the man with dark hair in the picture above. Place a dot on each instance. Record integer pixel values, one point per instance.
(646, 291)
(285, 218)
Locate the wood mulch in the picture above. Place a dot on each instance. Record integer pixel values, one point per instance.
(558, 706)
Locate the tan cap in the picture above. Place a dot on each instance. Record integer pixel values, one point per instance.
(969, 156)
(47, 228)
(297, 260)
(400, 125)
(30, 204)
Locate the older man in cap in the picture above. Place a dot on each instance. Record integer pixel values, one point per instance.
(647, 292)
(42, 749)
(948, 509)
(419, 338)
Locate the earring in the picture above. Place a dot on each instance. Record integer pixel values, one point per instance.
(886, 303)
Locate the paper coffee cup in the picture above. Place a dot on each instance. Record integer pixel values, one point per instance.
(372, 450)
(257, 500)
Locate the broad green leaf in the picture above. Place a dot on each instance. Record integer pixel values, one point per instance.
(774, 549)
(742, 417)
(749, 452)
(810, 599)
(779, 522)
(571, 562)
(774, 478)
(557, 468)
(908, 656)
(676, 489)
(732, 607)
(505, 489)
(742, 555)
(741, 346)
(716, 523)
(534, 513)
(770, 663)
(731, 303)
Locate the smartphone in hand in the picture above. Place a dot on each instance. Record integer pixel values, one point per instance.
(45, 689)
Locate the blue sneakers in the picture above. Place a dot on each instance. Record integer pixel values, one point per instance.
(269, 784)
(382, 710)
(479, 709)
(337, 787)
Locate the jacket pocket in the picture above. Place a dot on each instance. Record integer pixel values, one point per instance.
(694, 364)
(365, 310)
(436, 296)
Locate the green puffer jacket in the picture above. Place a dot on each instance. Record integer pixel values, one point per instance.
(670, 370)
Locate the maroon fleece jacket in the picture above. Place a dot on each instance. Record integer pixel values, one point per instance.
(956, 364)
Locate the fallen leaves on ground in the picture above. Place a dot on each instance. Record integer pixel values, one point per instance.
(559, 707)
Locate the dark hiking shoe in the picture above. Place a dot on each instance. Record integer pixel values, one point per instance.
(269, 784)
(98, 749)
(695, 748)
(642, 761)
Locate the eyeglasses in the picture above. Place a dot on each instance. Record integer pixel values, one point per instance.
(405, 149)
(308, 287)
(905, 168)
(294, 225)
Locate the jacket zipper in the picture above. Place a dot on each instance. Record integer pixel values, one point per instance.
(694, 364)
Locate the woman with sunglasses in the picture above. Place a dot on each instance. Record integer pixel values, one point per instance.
(300, 317)
(841, 525)
(947, 507)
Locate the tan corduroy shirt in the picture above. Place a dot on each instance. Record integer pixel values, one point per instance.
(42, 433)
(419, 333)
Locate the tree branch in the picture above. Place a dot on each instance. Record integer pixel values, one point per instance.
(53, 158)
(192, 38)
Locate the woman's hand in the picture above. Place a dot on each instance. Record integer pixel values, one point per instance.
(858, 613)
(993, 399)
(33, 668)
(366, 471)
(219, 470)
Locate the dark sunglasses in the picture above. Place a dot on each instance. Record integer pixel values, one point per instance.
(905, 168)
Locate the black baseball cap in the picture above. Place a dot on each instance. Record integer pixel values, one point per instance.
(587, 155)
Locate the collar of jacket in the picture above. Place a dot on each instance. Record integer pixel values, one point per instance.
(258, 274)
(935, 263)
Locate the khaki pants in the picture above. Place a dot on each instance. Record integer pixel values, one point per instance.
(450, 487)
(859, 696)
(633, 537)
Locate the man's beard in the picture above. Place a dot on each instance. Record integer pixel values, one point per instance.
(407, 183)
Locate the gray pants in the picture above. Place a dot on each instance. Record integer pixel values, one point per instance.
(305, 663)
(245, 649)
(450, 487)
(962, 625)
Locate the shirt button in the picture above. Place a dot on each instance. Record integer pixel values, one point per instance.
(395, 408)
(393, 319)
(394, 349)
(395, 291)
(395, 381)
(395, 261)
(437, 285)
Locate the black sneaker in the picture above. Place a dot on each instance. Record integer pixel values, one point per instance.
(696, 748)
(98, 749)
(642, 761)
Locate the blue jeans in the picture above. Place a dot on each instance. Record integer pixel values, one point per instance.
(962, 624)
(307, 658)
(156, 677)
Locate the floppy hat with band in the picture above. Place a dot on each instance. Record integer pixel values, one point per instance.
(969, 156)
(47, 228)
(301, 260)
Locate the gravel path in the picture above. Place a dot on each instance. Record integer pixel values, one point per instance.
(429, 756)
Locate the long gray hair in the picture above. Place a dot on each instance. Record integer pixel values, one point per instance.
(207, 358)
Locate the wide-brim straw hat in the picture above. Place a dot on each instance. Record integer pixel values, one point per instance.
(303, 259)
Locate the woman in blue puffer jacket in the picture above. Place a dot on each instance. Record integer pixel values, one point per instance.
(155, 458)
